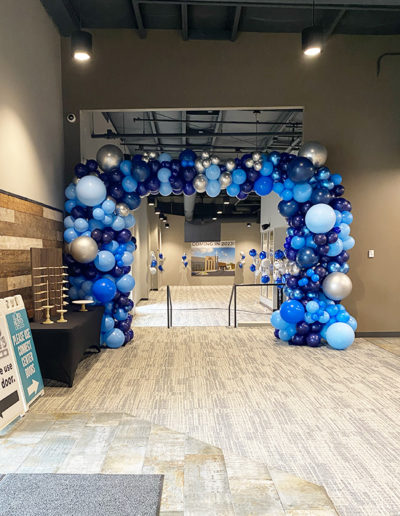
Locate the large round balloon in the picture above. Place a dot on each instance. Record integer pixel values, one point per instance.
(200, 183)
(84, 249)
(104, 261)
(109, 157)
(320, 218)
(140, 171)
(315, 152)
(91, 190)
(225, 179)
(125, 283)
(263, 185)
(292, 311)
(337, 286)
(306, 257)
(300, 170)
(114, 338)
(104, 290)
(340, 335)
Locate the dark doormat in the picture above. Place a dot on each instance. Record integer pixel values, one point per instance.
(80, 495)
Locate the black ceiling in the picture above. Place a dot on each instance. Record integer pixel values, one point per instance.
(214, 19)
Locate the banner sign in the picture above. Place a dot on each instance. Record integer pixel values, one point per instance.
(213, 258)
(11, 394)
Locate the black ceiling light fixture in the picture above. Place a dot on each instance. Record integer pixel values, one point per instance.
(81, 43)
(151, 201)
(249, 224)
(312, 38)
(167, 225)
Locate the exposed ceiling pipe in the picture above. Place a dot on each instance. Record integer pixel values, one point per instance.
(189, 202)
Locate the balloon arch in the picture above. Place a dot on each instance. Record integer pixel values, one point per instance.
(99, 245)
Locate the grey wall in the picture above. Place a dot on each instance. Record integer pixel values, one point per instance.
(346, 107)
(31, 129)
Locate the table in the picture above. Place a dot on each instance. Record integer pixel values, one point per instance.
(60, 347)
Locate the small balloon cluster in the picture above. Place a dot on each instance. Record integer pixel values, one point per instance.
(266, 264)
(317, 245)
(242, 260)
(154, 265)
(185, 260)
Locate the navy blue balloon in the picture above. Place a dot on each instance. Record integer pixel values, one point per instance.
(291, 254)
(252, 175)
(302, 328)
(189, 173)
(106, 180)
(306, 257)
(341, 204)
(78, 212)
(288, 208)
(297, 340)
(142, 189)
(176, 183)
(246, 187)
(297, 221)
(187, 155)
(155, 166)
(338, 190)
(81, 170)
(332, 237)
(115, 176)
(97, 234)
(304, 207)
(116, 191)
(300, 170)
(343, 257)
(320, 239)
(242, 195)
(291, 282)
(140, 171)
(175, 165)
(313, 340)
(321, 196)
(92, 165)
(132, 200)
(188, 188)
(153, 183)
(316, 327)
(117, 271)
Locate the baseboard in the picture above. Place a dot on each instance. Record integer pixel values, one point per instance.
(377, 334)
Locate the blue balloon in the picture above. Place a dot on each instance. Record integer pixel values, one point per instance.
(233, 189)
(120, 314)
(300, 169)
(126, 167)
(111, 246)
(348, 243)
(263, 185)
(297, 242)
(127, 258)
(347, 217)
(130, 221)
(267, 168)
(118, 223)
(352, 323)
(81, 225)
(306, 257)
(70, 234)
(164, 156)
(69, 205)
(213, 172)
(104, 261)
(104, 290)
(69, 222)
(125, 283)
(132, 200)
(87, 286)
(302, 192)
(70, 191)
(344, 231)
(213, 188)
(292, 311)
(165, 188)
(164, 174)
(140, 171)
(107, 323)
(336, 178)
(73, 293)
(312, 307)
(335, 248)
(320, 218)
(288, 208)
(98, 214)
(114, 338)
(239, 176)
(340, 335)
(277, 321)
(129, 184)
(108, 206)
(287, 194)
(91, 190)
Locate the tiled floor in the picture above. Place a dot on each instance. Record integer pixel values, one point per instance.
(198, 479)
(201, 306)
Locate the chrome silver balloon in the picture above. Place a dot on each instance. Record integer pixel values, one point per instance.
(152, 155)
(249, 163)
(225, 179)
(215, 160)
(206, 163)
(84, 249)
(205, 155)
(198, 165)
(122, 209)
(200, 183)
(337, 286)
(256, 156)
(153, 271)
(230, 165)
(257, 166)
(315, 152)
(109, 157)
(294, 268)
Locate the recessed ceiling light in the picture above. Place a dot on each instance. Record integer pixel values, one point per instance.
(226, 200)
(81, 45)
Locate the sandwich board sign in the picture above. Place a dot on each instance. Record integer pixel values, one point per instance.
(12, 403)
(24, 348)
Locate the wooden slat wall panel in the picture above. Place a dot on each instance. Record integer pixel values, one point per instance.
(24, 225)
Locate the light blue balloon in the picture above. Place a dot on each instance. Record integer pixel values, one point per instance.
(87, 286)
(267, 168)
(344, 268)
(312, 307)
(118, 223)
(335, 248)
(114, 338)
(120, 314)
(108, 206)
(347, 217)
(340, 335)
(349, 243)
(127, 258)
(320, 218)
(344, 231)
(164, 156)
(73, 293)
(287, 333)
(298, 242)
(302, 192)
(70, 191)
(70, 234)
(108, 220)
(108, 307)
(129, 184)
(91, 190)
(69, 205)
(310, 242)
(130, 221)
(324, 318)
(125, 283)
(164, 174)
(233, 189)
(98, 214)
(111, 246)
(287, 195)
(213, 172)
(336, 178)
(277, 321)
(352, 323)
(104, 261)
(130, 246)
(107, 323)
(308, 318)
(95, 224)
(86, 233)
(239, 176)
(165, 189)
(81, 225)
(339, 218)
(288, 183)
(69, 222)
(126, 167)
(278, 188)
(213, 188)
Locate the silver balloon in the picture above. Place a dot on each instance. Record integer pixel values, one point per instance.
(76, 180)
(152, 155)
(230, 165)
(84, 249)
(200, 183)
(206, 163)
(109, 157)
(198, 165)
(205, 155)
(153, 271)
(256, 156)
(294, 269)
(215, 160)
(225, 179)
(122, 209)
(315, 152)
(257, 166)
(337, 286)
(249, 163)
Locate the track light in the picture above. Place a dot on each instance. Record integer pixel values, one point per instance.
(157, 211)
(226, 200)
(151, 201)
(312, 41)
(167, 225)
(249, 224)
(214, 218)
(81, 45)
(219, 212)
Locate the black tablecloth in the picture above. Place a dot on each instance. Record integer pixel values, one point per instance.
(61, 346)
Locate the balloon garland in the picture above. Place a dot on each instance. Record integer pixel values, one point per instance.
(313, 266)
